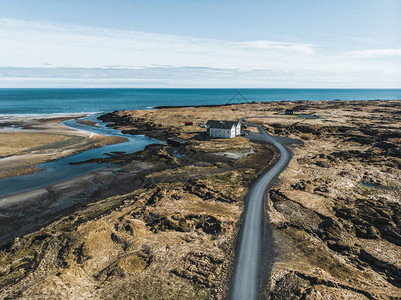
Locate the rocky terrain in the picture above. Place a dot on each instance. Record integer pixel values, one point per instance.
(166, 232)
(337, 207)
(169, 231)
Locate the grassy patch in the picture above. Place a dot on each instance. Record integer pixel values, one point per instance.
(222, 145)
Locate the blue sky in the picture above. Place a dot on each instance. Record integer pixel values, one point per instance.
(171, 43)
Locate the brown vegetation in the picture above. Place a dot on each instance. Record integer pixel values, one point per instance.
(171, 233)
(337, 206)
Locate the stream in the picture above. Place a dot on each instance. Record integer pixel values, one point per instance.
(60, 170)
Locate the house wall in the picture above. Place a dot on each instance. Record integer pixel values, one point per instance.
(223, 133)
(232, 132)
(238, 129)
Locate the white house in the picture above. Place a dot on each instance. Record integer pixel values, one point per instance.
(223, 129)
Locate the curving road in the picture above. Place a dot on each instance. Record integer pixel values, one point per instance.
(245, 282)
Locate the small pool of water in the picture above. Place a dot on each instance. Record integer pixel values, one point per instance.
(369, 184)
(177, 154)
(60, 170)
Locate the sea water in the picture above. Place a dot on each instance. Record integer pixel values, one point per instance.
(49, 101)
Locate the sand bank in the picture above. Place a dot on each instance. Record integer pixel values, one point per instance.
(27, 141)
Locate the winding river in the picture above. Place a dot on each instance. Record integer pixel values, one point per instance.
(60, 170)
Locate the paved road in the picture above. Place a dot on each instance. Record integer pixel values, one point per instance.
(245, 282)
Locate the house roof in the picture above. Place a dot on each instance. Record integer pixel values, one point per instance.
(221, 124)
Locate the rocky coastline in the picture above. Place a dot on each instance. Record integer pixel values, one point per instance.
(335, 211)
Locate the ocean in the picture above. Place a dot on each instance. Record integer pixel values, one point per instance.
(49, 101)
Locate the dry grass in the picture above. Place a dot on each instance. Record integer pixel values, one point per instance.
(221, 145)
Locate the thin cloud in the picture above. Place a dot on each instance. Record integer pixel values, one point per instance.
(184, 77)
(32, 44)
(39, 54)
(367, 53)
(287, 47)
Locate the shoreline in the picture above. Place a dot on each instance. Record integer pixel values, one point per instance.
(28, 141)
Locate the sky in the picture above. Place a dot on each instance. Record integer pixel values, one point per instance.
(200, 43)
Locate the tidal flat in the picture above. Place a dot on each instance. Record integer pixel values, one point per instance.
(28, 141)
